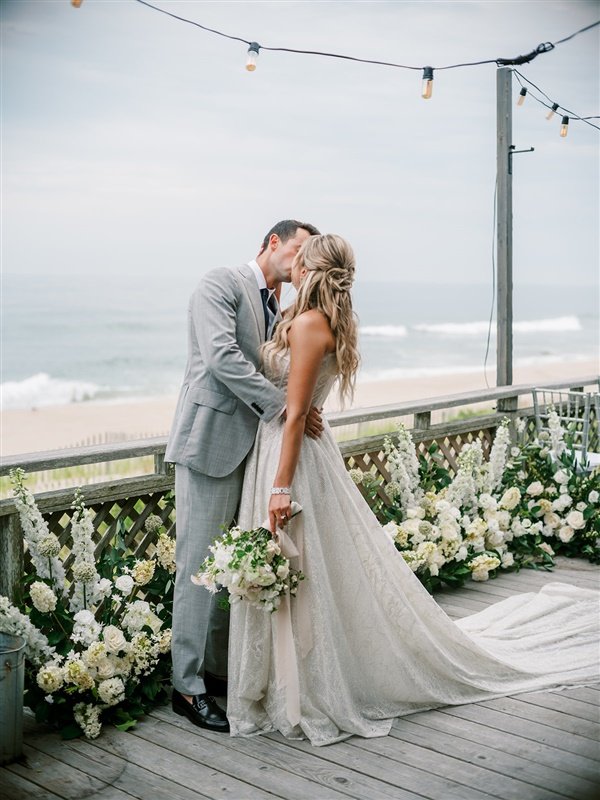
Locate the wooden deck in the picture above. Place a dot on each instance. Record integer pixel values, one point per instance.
(530, 747)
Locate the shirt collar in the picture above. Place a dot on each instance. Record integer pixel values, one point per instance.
(260, 276)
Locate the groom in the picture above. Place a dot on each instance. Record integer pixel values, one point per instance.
(223, 397)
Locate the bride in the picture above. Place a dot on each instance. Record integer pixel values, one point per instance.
(363, 641)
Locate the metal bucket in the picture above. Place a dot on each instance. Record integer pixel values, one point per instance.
(12, 676)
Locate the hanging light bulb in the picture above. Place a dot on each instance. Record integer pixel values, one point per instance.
(564, 128)
(253, 51)
(76, 3)
(522, 95)
(552, 111)
(427, 90)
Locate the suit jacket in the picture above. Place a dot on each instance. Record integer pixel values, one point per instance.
(223, 394)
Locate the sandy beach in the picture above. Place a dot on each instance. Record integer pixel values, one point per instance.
(76, 424)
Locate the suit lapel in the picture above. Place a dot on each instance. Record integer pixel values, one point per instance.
(251, 289)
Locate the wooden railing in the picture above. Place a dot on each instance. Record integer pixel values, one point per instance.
(122, 505)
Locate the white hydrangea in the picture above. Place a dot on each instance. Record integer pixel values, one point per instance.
(138, 615)
(50, 677)
(111, 691)
(42, 597)
(165, 552)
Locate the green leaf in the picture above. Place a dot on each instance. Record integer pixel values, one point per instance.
(125, 726)
(71, 731)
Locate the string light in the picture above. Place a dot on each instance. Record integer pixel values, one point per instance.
(253, 52)
(427, 83)
(254, 49)
(564, 128)
(551, 104)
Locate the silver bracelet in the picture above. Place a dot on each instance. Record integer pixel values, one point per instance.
(281, 490)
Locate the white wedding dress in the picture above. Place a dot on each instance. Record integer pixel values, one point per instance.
(364, 642)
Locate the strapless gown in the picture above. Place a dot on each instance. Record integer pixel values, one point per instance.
(364, 642)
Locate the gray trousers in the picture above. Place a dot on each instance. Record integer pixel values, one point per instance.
(200, 627)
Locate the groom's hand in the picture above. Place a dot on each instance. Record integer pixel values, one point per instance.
(314, 423)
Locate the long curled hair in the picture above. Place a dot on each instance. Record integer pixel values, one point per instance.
(330, 262)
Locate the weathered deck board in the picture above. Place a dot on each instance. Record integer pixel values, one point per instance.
(534, 746)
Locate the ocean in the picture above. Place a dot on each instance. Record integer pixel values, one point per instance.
(71, 339)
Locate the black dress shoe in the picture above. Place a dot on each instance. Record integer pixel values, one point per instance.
(202, 711)
(217, 687)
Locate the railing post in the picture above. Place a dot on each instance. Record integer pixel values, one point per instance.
(161, 467)
(11, 556)
(422, 421)
(509, 407)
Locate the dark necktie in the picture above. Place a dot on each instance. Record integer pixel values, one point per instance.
(267, 308)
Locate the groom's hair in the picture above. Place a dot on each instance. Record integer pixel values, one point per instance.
(286, 229)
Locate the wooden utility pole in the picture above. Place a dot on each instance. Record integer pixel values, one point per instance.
(504, 308)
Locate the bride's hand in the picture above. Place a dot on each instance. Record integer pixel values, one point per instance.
(280, 510)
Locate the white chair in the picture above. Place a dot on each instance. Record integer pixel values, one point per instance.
(573, 409)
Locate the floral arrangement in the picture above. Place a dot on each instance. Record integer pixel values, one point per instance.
(527, 503)
(252, 566)
(97, 647)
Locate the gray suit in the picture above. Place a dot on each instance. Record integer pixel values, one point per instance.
(222, 399)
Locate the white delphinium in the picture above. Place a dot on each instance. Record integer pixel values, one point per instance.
(36, 534)
(463, 492)
(403, 466)
(85, 630)
(37, 649)
(86, 591)
(497, 462)
(557, 434)
(42, 597)
(87, 717)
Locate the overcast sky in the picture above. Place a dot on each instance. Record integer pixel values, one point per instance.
(134, 143)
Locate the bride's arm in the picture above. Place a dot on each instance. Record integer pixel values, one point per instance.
(310, 339)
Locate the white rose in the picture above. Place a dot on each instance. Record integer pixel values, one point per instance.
(535, 488)
(575, 520)
(552, 520)
(526, 523)
(510, 499)
(124, 583)
(566, 533)
(561, 477)
(593, 496)
(480, 575)
(507, 560)
(114, 638)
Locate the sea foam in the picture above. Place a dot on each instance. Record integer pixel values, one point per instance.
(43, 390)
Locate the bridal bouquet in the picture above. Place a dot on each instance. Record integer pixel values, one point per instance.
(252, 565)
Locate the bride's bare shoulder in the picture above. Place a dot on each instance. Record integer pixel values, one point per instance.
(312, 326)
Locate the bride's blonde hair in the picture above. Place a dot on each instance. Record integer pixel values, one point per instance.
(330, 262)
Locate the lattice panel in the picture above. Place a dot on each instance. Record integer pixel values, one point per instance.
(126, 516)
(450, 446)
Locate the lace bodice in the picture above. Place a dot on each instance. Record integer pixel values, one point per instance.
(278, 371)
